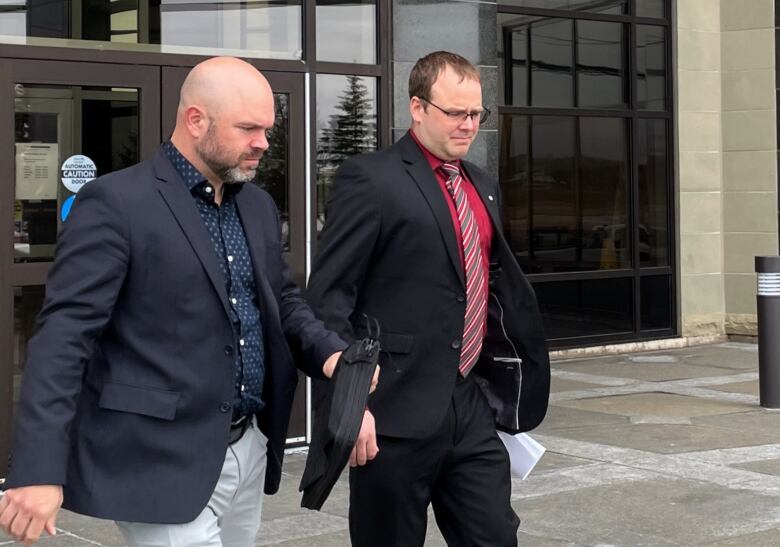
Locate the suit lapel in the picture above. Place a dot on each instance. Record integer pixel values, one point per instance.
(180, 202)
(420, 171)
(486, 193)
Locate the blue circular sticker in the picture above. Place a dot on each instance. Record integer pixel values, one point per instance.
(66, 205)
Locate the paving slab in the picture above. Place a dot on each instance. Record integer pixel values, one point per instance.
(562, 384)
(651, 372)
(656, 404)
(768, 538)
(563, 417)
(758, 421)
(750, 388)
(665, 438)
(740, 356)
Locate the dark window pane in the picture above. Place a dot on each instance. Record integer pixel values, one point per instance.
(551, 63)
(346, 31)
(651, 67)
(586, 308)
(606, 235)
(651, 8)
(64, 136)
(601, 65)
(346, 125)
(273, 172)
(519, 66)
(515, 190)
(513, 59)
(27, 303)
(616, 7)
(554, 229)
(653, 211)
(656, 302)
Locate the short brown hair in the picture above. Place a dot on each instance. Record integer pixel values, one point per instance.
(428, 68)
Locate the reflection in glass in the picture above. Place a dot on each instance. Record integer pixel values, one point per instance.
(653, 191)
(515, 190)
(615, 7)
(513, 49)
(27, 303)
(262, 28)
(606, 234)
(601, 65)
(53, 123)
(346, 125)
(656, 302)
(554, 230)
(651, 67)
(346, 31)
(586, 308)
(651, 8)
(551, 63)
(273, 172)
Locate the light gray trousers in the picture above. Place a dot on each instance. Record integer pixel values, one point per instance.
(232, 516)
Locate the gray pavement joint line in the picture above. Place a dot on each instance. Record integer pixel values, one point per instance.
(71, 534)
(718, 380)
(592, 378)
(670, 465)
(731, 456)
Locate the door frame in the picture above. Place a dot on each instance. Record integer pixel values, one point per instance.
(69, 73)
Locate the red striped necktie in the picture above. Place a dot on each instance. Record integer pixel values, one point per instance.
(476, 282)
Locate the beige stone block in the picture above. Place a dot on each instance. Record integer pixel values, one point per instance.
(748, 49)
(748, 90)
(705, 325)
(750, 212)
(745, 14)
(742, 323)
(751, 170)
(699, 131)
(749, 130)
(701, 294)
(740, 250)
(698, 15)
(698, 50)
(700, 212)
(701, 254)
(700, 171)
(740, 293)
(699, 90)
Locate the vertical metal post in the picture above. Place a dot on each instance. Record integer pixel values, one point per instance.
(768, 308)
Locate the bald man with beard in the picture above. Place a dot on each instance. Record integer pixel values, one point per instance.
(158, 386)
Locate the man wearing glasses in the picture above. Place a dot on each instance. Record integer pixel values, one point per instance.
(412, 237)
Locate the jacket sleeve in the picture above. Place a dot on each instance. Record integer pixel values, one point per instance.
(351, 231)
(90, 266)
(305, 334)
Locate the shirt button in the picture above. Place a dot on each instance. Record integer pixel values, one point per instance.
(243, 388)
(455, 344)
(208, 189)
(230, 258)
(233, 301)
(241, 341)
(225, 407)
(460, 298)
(228, 350)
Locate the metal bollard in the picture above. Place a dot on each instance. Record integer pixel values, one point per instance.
(768, 308)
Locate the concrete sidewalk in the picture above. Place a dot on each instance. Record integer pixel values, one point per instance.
(663, 448)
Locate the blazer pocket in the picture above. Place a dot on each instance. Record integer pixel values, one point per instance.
(157, 403)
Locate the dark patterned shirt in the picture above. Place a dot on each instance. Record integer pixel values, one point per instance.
(229, 241)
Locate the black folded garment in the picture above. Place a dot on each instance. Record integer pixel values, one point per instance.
(338, 415)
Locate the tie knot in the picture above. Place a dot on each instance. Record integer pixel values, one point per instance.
(450, 169)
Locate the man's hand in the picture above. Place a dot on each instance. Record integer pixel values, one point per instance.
(365, 448)
(330, 364)
(26, 511)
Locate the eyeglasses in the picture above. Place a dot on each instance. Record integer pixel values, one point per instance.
(461, 115)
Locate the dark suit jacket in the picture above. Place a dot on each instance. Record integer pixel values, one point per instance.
(127, 390)
(389, 250)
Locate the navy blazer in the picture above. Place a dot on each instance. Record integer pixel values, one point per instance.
(128, 386)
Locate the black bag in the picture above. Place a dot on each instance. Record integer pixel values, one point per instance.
(337, 417)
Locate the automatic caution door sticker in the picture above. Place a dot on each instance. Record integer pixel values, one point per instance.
(77, 171)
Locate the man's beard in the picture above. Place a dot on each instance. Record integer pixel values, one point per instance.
(213, 155)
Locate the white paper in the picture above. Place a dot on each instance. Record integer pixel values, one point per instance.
(524, 453)
(36, 170)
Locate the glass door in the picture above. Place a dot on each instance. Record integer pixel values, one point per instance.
(282, 174)
(63, 124)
